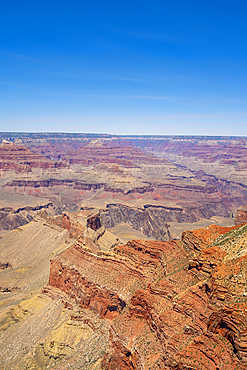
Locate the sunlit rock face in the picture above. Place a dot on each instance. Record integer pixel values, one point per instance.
(145, 182)
(241, 215)
(136, 305)
(177, 304)
(82, 288)
(20, 158)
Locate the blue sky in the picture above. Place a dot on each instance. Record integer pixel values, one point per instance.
(176, 67)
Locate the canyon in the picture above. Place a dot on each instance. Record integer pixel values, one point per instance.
(138, 305)
(164, 181)
(123, 252)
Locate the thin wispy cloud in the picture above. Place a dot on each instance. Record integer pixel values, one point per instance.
(61, 66)
(87, 96)
(26, 58)
(120, 75)
(91, 75)
(143, 34)
(18, 86)
(179, 100)
(118, 97)
(126, 58)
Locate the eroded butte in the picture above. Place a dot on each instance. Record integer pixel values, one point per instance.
(152, 184)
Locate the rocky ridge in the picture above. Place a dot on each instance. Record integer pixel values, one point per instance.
(20, 158)
(123, 176)
(241, 215)
(112, 304)
(154, 304)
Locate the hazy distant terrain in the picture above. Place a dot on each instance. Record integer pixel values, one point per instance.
(151, 180)
(91, 276)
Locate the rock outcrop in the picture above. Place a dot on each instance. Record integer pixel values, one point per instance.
(151, 304)
(11, 218)
(241, 216)
(172, 305)
(73, 169)
(111, 304)
(21, 159)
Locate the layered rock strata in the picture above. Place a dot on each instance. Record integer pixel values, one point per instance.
(172, 305)
(241, 216)
(119, 176)
(20, 158)
(11, 218)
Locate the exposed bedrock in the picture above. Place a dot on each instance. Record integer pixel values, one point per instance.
(171, 305)
(78, 185)
(85, 225)
(241, 216)
(153, 220)
(39, 183)
(10, 221)
(118, 356)
(190, 323)
(228, 286)
(231, 324)
(12, 218)
(87, 294)
(21, 159)
(94, 222)
(186, 316)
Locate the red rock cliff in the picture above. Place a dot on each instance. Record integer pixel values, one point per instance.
(172, 305)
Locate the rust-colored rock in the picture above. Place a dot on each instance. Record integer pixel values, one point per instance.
(20, 158)
(159, 304)
(172, 305)
(86, 293)
(241, 216)
(126, 179)
(208, 259)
